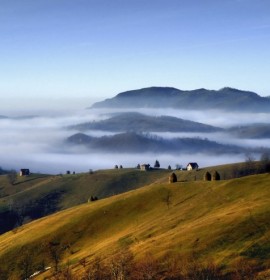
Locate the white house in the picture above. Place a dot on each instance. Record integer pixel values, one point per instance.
(145, 167)
(193, 166)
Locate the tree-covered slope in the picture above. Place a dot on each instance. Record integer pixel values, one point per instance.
(137, 122)
(131, 142)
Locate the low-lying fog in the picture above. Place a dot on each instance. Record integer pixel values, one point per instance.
(38, 142)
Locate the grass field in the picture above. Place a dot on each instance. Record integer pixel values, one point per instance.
(219, 220)
(40, 195)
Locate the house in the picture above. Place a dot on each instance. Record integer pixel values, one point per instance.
(192, 166)
(145, 167)
(24, 172)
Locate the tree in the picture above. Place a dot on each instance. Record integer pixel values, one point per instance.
(178, 166)
(96, 270)
(265, 161)
(265, 157)
(157, 165)
(249, 157)
(121, 265)
(168, 198)
(26, 263)
(1, 171)
(169, 167)
(249, 163)
(12, 177)
(55, 252)
(147, 268)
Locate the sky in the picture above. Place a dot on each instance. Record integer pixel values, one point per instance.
(76, 52)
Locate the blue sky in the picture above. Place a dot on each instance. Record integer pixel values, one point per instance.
(93, 49)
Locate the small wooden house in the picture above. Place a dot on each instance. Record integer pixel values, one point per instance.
(145, 167)
(24, 172)
(192, 166)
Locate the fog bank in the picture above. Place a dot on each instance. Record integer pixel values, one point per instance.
(38, 142)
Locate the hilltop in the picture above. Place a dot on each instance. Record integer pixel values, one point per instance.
(132, 142)
(39, 195)
(222, 221)
(228, 99)
(132, 121)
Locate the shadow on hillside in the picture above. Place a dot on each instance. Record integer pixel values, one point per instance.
(29, 178)
(18, 215)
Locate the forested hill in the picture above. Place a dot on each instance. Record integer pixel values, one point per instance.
(131, 142)
(132, 121)
(167, 97)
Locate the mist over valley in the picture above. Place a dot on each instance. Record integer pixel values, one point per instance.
(99, 138)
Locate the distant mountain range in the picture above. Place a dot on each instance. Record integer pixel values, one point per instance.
(123, 122)
(167, 97)
(131, 142)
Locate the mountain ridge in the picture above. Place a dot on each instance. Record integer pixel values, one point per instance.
(226, 98)
(133, 121)
(138, 142)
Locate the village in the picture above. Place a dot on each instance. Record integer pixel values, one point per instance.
(191, 166)
(143, 167)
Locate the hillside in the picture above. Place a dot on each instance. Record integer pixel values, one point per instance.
(223, 221)
(138, 143)
(137, 122)
(252, 131)
(39, 195)
(229, 99)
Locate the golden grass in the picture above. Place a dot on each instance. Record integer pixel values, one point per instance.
(220, 220)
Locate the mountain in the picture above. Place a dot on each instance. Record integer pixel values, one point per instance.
(189, 228)
(137, 122)
(200, 99)
(130, 142)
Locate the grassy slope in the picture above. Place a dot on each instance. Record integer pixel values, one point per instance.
(222, 219)
(44, 194)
